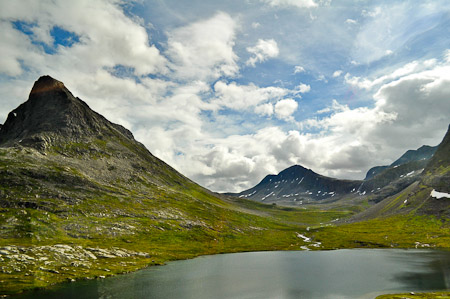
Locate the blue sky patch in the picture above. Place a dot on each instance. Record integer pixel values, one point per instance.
(60, 36)
(63, 37)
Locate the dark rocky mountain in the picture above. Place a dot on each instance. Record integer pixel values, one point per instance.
(437, 171)
(420, 196)
(424, 153)
(54, 125)
(298, 185)
(374, 171)
(53, 113)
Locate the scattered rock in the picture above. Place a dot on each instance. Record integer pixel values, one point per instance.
(52, 258)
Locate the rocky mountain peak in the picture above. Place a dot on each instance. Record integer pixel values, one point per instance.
(53, 115)
(45, 84)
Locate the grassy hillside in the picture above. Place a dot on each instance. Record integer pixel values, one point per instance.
(59, 224)
(431, 295)
(81, 199)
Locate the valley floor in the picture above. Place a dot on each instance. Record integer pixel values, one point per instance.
(35, 262)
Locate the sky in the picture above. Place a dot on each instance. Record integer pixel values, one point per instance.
(227, 92)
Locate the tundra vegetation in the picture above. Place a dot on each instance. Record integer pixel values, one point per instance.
(81, 199)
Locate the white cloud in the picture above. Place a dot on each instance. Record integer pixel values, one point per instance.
(204, 50)
(409, 68)
(262, 51)
(337, 73)
(264, 109)
(303, 88)
(295, 3)
(236, 96)
(447, 55)
(421, 103)
(285, 108)
(409, 112)
(371, 13)
(322, 77)
(255, 25)
(12, 49)
(126, 45)
(298, 69)
(351, 21)
(335, 107)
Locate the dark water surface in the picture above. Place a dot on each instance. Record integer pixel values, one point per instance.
(362, 273)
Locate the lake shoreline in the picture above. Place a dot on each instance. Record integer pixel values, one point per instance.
(207, 256)
(389, 233)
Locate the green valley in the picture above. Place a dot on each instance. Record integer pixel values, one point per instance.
(81, 199)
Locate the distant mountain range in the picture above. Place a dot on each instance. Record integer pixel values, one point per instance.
(423, 153)
(428, 194)
(297, 185)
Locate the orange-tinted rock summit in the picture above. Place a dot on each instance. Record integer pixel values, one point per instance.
(52, 115)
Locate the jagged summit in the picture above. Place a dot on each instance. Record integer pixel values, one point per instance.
(298, 184)
(45, 84)
(54, 124)
(419, 158)
(51, 115)
(437, 172)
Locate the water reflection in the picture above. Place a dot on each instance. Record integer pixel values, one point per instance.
(431, 270)
(320, 274)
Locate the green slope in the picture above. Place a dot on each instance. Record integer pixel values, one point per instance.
(81, 199)
(416, 198)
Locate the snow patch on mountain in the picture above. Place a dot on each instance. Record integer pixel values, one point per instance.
(439, 195)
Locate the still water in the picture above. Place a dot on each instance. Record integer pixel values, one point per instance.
(280, 274)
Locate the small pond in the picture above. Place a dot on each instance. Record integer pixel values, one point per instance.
(356, 273)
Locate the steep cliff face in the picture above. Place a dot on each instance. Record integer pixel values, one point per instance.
(416, 158)
(63, 129)
(51, 115)
(428, 194)
(437, 171)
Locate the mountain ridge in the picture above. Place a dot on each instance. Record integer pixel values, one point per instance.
(299, 184)
(418, 197)
(380, 182)
(59, 125)
(52, 110)
(425, 152)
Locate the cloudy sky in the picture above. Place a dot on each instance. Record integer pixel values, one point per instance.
(230, 91)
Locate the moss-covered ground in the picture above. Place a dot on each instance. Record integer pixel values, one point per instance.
(431, 295)
(48, 202)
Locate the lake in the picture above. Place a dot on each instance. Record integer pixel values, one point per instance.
(355, 273)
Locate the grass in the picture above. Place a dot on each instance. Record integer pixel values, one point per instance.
(153, 209)
(220, 231)
(431, 295)
(406, 231)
